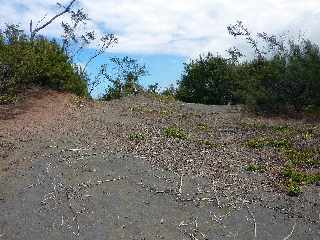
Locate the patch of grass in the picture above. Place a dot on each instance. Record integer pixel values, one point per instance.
(6, 99)
(165, 113)
(299, 157)
(308, 135)
(136, 137)
(281, 128)
(300, 177)
(267, 142)
(253, 126)
(293, 189)
(174, 132)
(255, 168)
(202, 126)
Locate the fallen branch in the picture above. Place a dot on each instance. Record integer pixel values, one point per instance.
(254, 221)
(291, 233)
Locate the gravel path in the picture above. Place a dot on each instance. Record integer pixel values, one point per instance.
(84, 170)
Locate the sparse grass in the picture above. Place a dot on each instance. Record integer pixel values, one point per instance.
(141, 109)
(257, 126)
(299, 177)
(210, 144)
(275, 128)
(203, 126)
(267, 142)
(163, 98)
(255, 168)
(6, 99)
(299, 162)
(308, 135)
(165, 113)
(174, 132)
(308, 156)
(293, 189)
(281, 128)
(136, 137)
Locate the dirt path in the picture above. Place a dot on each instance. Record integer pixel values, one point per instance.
(80, 170)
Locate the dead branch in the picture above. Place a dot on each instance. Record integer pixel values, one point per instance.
(33, 32)
(291, 233)
(254, 221)
(181, 183)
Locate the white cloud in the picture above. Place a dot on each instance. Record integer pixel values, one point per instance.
(183, 27)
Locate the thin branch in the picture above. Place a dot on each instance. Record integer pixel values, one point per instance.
(254, 221)
(33, 32)
(181, 183)
(291, 233)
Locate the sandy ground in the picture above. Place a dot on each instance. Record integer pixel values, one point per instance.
(69, 170)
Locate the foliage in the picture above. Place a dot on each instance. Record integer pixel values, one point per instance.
(283, 83)
(206, 80)
(301, 157)
(125, 80)
(41, 62)
(282, 77)
(153, 88)
(174, 132)
(255, 168)
(136, 137)
(267, 142)
(170, 91)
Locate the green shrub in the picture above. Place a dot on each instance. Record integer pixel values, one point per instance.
(206, 80)
(255, 168)
(41, 62)
(174, 132)
(136, 137)
(308, 156)
(285, 81)
(267, 142)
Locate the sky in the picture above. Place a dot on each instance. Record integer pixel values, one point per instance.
(163, 34)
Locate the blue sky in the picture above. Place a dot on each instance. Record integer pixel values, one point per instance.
(165, 33)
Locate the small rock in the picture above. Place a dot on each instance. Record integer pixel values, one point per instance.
(318, 184)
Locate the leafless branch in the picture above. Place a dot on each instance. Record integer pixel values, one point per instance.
(291, 233)
(254, 221)
(33, 32)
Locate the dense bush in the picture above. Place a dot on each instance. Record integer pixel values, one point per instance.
(206, 80)
(39, 62)
(288, 80)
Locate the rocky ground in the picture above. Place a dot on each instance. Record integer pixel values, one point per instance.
(152, 168)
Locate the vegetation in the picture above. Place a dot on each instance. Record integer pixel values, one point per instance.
(300, 161)
(136, 137)
(283, 76)
(125, 80)
(268, 142)
(174, 132)
(206, 80)
(255, 168)
(41, 62)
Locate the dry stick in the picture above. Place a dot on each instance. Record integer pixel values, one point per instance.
(181, 183)
(290, 235)
(215, 193)
(75, 214)
(254, 221)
